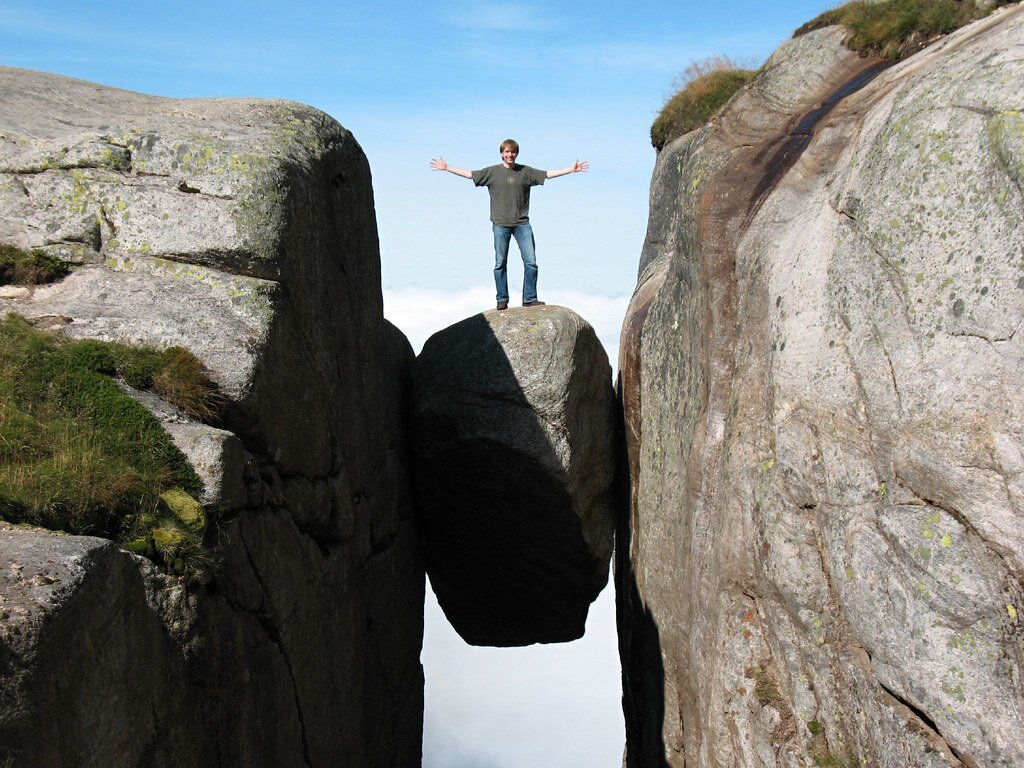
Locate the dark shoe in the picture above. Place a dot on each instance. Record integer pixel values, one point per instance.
(534, 303)
(502, 305)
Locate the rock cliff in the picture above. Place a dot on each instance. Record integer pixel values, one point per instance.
(515, 443)
(244, 231)
(821, 372)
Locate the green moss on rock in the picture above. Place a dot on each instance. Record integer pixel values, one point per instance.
(143, 547)
(167, 540)
(174, 373)
(830, 760)
(184, 508)
(76, 452)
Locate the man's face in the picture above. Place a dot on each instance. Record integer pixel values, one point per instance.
(508, 156)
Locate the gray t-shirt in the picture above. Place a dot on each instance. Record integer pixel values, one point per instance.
(510, 191)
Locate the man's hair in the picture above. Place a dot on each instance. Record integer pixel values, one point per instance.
(509, 143)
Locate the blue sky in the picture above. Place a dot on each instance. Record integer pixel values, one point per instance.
(413, 81)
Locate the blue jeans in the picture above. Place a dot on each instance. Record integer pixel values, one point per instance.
(524, 239)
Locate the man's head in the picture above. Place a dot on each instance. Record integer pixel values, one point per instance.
(509, 152)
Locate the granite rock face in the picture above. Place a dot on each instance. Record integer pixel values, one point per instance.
(244, 231)
(83, 653)
(195, 222)
(821, 374)
(515, 464)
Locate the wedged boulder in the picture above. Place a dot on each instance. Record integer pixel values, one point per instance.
(514, 437)
(244, 231)
(821, 371)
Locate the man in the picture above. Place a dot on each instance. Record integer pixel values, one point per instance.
(509, 186)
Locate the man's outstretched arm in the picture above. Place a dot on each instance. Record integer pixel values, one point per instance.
(577, 167)
(440, 165)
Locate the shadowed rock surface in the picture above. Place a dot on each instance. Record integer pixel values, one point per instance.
(821, 372)
(243, 230)
(515, 465)
(76, 628)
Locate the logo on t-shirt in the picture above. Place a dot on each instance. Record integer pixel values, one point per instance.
(510, 179)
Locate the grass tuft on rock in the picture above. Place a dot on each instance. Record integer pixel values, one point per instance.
(702, 89)
(767, 692)
(894, 29)
(35, 267)
(182, 380)
(174, 373)
(77, 454)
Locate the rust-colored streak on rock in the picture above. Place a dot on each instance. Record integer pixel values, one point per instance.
(774, 373)
(629, 372)
(790, 145)
(754, 158)
(725, 211)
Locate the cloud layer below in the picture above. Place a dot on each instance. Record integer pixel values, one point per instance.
(544, 705)
(553, 705)
(421, 312)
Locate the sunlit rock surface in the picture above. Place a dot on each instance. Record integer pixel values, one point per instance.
(243, 230)
(821, 371)
(515, 466)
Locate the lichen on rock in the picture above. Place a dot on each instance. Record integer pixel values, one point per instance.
(819, 385)
(242, 231)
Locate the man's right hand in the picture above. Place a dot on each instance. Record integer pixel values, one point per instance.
(439, 164)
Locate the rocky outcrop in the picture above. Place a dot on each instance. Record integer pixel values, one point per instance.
(820, 371)
(515, 467)
(244, 231)
(82, 651)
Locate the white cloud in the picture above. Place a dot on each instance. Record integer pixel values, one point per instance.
(543, 705)
(421, 312)
(445, 746)
(434, 227)
(508, 707)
